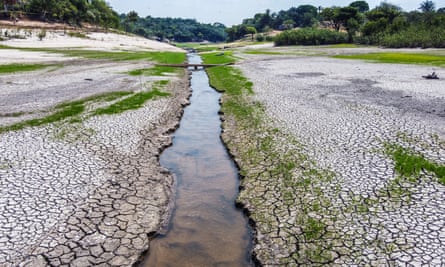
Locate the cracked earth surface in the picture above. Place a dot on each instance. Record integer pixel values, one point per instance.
(342, 203)
(85, 193)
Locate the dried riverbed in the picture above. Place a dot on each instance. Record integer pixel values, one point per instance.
(327, 193)
(85, 191)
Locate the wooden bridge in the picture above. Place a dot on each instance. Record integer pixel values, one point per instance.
(195, 66)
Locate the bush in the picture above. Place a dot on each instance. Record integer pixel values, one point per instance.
(260, 38)
(42, 34)
(310, 36)
(416, 37)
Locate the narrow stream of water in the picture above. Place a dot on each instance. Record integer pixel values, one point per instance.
(206, 229)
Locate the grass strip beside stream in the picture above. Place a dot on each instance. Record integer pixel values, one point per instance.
(275, 182)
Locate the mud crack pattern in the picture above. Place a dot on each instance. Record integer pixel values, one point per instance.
(318, 184)
(90, 196)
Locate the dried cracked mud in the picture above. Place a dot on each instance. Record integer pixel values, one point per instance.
(89, 192)
(326, 193)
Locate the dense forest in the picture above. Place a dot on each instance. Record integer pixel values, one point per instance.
(73, 12)
(387, 25)
(175, 29)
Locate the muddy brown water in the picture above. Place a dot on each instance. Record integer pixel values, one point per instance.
(205, 229)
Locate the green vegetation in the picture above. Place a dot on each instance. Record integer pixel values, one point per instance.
(416, 36)
(132, 102)
(73, 12)
(298, 185)
(219, 57)
(401, 58)
(155, 71)
(343, 46)
(78, 35)
(310, 36)
(409, 164)
(69, 110)
(161, 57)
(11, 68)
(230, 81)
(386, 25)
(261, 52)
(63, 111)
(174, 29)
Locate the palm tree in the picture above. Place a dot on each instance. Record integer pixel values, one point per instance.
(427, 6)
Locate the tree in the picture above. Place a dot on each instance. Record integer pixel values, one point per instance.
(427, 6)
(327, 14)
(304, 15)
(251, 30)
(288, 24)
(362, 6)
(131, 18)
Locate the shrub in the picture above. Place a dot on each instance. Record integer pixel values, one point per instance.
(42, 34)
(310, 36)
(416, 37)
(260, 38)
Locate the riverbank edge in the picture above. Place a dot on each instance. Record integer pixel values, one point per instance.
(175, 122)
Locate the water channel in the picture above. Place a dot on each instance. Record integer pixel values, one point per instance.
(205, 229)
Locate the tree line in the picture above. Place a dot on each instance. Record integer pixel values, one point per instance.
(174, 29)
(98, 12)
(386, 25)
(73, 12)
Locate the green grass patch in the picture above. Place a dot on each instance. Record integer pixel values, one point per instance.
(400, 58)
(262, 52)
(342, 46)
(409, 164)
(207, 48)
(229, 80)
(105, 97)
(198, 47)
(11, 68)
(313, 229)
(78, 35)
(160, 57)
(68, 110)
(218, 57)
(133, 102)
(155, 71)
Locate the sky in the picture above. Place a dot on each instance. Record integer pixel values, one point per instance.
(231, 12)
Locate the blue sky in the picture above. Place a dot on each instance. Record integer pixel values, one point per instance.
(231, 12)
